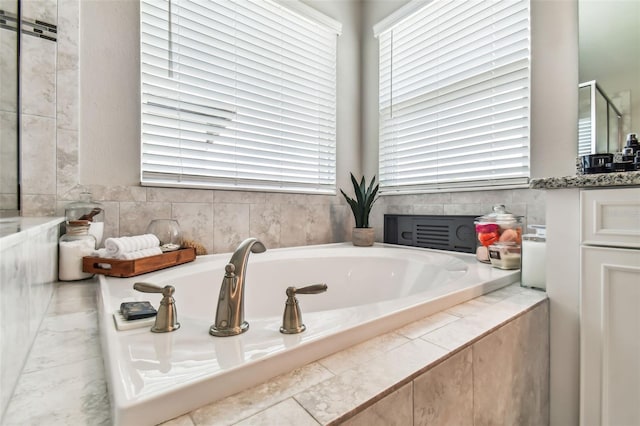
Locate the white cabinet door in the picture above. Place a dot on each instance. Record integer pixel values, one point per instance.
(610, 337)
(611, 217)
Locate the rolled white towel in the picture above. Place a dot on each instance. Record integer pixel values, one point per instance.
(152, 251)
(101, 253)
(117, 246)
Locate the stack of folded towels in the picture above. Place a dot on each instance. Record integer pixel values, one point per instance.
(128, 248)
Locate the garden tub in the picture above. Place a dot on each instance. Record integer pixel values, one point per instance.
(153, 377)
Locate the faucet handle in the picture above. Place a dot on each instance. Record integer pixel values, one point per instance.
(167, 316)
(167, 290)
(292, 317)
(310, 289)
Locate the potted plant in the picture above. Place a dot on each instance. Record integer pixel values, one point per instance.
(363, 234)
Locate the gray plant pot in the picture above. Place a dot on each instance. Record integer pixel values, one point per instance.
(363, 237)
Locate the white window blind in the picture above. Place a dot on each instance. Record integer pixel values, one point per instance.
(237, 94)
(454, 95)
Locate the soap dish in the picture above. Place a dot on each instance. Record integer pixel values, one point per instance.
(123, 324)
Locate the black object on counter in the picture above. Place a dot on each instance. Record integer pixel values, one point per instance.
(453, 233)
(633, 144)
(137, 310)
(596, 163)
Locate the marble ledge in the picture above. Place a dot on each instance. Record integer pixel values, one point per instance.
(588, 181)
(14, 230)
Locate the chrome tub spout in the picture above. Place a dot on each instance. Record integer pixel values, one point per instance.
(230, 312)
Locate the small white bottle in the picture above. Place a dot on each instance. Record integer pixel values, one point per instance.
(73, 246)
(533, 258)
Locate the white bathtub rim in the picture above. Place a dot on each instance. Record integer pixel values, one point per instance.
(204, 390)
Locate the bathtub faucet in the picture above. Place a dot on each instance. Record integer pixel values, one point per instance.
(230, 313)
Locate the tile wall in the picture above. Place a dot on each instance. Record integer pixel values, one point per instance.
(38, 56)
(8, 105)
(220, 220)
(528, 203)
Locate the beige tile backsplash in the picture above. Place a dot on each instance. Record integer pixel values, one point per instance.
(219, 220)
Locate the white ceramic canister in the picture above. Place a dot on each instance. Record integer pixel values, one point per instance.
(73, 246)
(533, 258)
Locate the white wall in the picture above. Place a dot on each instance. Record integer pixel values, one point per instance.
(373, 11)
(554, 82)
(109, 151)
(110, 100)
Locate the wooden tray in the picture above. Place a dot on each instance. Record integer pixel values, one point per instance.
(131, 268)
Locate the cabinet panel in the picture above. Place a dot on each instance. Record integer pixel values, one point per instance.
(611, 217)
(610, 336)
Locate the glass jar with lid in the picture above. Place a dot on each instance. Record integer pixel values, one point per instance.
(73, 246)
(87, 209)
(497, 226)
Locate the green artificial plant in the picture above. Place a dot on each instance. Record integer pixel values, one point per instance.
(361, 205)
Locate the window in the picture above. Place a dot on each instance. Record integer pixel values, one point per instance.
(454, 95)
(238, 94)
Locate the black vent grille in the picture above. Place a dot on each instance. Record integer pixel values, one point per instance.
(454, 233)
(431, 235)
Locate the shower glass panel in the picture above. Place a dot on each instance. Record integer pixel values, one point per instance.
(599, 121)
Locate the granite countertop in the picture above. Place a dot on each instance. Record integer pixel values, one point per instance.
(587, 181)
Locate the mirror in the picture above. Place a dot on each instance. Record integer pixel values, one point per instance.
(9, 108)
(609, 49)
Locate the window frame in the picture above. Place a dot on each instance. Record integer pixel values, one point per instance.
(253, 178)
(385, 27)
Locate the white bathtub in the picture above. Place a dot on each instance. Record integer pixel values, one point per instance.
(154, 377)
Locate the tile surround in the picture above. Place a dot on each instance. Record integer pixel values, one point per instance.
(286, 412)
(517, 397)
(252, 401)
(444, 394)
(394, 409)
(8, 158)
(38, 76)
(38, 147)
(28, 269)
(522, 202)
(8, 69)
(392, 377)
(41, 10)
(328, 401)
(196, 221)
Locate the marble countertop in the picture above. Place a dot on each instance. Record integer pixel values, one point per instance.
(63, 381)
(16, 229)
(587, 181)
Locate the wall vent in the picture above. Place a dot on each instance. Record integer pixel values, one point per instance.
(454, 233)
